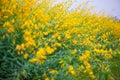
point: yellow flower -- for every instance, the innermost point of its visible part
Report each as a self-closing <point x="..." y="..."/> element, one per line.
<point x="20" y="47"/>
<point x="27" y="32"/>
<point x="26" y="55"/>
<point x="88" y="66"/>
<point x="27" y="44"/>
<point x="41" y="54"/>
<point x="11" y="29"/>
<point x="110" y="50"/>
<point x="99" y="45"/>
<point x="17" y="47"/>
<point x="108" y="56"/>
<point x="53" y="71"/>
<point x="59" y="37"/>
<point x="67" y="36"/>
<point x="18" y="53"/>
<point x="59" y="44"/>
<point x="7" y="24"/>
<point x="45" y="33"/>
<point x="34" y="60"/>
<point x="47" y="78"/>
<point x="49" y="50"/>
<point x="82" y="67"/>
<point x="116" y="31"/>
<point x="74" y="41"/>
<point x="74" y="51"/>
<point x="91" y="75"/>
<point x="12" y="20"/>
<point x="71" y="70"/>
<point x="78" y="35"/>
<point x="85" y="56"/>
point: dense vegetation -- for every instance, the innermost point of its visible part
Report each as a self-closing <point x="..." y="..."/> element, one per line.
<point x="46" y="41"/>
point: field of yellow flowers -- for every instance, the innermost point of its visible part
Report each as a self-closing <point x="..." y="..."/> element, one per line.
<point x="42" y="41"/>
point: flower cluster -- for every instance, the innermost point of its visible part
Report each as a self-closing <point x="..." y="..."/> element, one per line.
<point x="66" y="45"/>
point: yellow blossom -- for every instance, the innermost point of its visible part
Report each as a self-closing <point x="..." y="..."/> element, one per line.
<point x="34" y="60"/>
<point x="49" y="50"/>
<point x="59" y="44"/>
<point x="74" y="51"/>
<point x="20" y="47"/>
<point x="11" y="29"/>
<point x="67" y="36"/>
<point x="59" y="37"/>
<point x="53" y="71"/>
<point x="47" y="78"/>
<point x="71" y="70"/>
<point x="26" y="55"/>
<point x="46" y="33"/>
<point x="74" y="41"/>
<point x="41" y="54"/>
<point x="17" y="47"/>
<point x="85" y="56"/>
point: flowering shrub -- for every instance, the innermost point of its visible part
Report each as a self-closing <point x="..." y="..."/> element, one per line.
<point x="40" y="40"/>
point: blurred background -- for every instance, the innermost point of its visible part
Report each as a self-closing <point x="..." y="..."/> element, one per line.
<point x="110" y="7"/>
